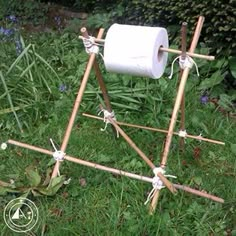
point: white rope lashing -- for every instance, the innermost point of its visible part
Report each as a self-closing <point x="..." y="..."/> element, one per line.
<point x="106" y="115"/>
<point x="188" y="62"/>
<point x="91" y="46"/>
<point x="182" y="133"/>
<point x="57" y="154"/>
<point x="157" y="183"/>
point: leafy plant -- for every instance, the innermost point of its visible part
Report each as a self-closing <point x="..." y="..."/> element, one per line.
<point x="25" y="77"/>
<point x="48" y="187"/>
<point x="27" y="11"/>
<point x="219" y="27"/>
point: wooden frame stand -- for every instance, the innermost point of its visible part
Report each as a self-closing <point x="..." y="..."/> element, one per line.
<point x="160" y="179"/>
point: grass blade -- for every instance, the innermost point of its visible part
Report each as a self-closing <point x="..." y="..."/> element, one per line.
<point x="10" y="102"/>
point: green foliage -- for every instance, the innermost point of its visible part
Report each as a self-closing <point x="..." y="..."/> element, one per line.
<point x="219" y="27"/>
<point x="95" y="5"/>
<point x="26" y="10"/>
<point x="34" y="80"/>
<point x="34" y="185"/>
<point x="25" y="77"/>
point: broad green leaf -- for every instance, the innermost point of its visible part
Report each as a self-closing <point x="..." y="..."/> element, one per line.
<point x="54" y="185"/>
<point x="48" y="177"/>
<point x="215" y="79"/>
<point x="232" y="66"/>
<point x="33" y="176"/>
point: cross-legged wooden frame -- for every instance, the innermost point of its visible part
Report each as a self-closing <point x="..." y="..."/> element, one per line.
<point x="179" y="104"/>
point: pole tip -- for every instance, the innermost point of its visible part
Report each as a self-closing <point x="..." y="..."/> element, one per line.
<point x="83" y="30"/>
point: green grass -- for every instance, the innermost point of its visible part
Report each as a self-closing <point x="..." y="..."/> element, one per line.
<point x="109" y="204"/>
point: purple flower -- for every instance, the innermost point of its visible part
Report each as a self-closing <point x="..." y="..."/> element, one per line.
<point x="204" y="99"/>
<point x="62" y="88"/>
<point x="6" y="32"/>
<point x="12" y="18"/>
<point x="57" y="19"/>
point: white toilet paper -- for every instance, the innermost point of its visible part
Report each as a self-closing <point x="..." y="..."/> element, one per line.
<point x="134" y="50"/>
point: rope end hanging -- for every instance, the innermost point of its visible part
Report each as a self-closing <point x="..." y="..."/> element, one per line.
<point x="106" y="115"/>
<point x="57" y="154"/>
<point x="157" y="183"/>
<point x="188" y="62"/>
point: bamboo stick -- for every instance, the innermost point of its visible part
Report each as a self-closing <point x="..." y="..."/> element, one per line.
<point x="82" y="162"/>
<point x="170" y="50"/>
<point x="113" y="170"/>
<point x="153" y="204"/>
<point x="77" y="103"/>
<point x="199" y="193"/>
<point x="179" y="97"/>
<point x="132" y="144"/>
<point x="100" y="79"/>
<point x="200" y="138"/>
<point x="196" y="55"/>
<point x="103" y="89"/>
<point x="180" y="94"/>
<point x="102" y="85"/>
<point x="182" y="106"/>
<point x="165" y="181"/>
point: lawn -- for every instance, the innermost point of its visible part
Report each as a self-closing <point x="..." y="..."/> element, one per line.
<point x="39" y="83"/>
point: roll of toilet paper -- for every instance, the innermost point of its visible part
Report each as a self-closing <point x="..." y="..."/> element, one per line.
<point x="134" y="50"/>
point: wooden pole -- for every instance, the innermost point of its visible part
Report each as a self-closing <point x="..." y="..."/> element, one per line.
<point x="82" y="162"/>
<point x="99" y="77"/>
<point x="165" y="181"/>
<point x="113" y="170"/>
<point x="132" y="144"/>
<point x="179" y="98"/>
<point x="182" y="106"/>
<point x="200" y="138"/>
<point x="180" y="94"/>
<point x="154" y="201"/>
<point x="207" y="57"/>
<point x="199" y="193"/>
<point x="102" y="86"/>
<point x="77" y="103"/>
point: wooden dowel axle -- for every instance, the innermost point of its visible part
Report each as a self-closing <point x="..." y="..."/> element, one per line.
<point x="170" y="50"/>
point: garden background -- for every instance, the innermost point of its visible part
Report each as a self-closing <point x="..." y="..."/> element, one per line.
<point x="42" y="62"/>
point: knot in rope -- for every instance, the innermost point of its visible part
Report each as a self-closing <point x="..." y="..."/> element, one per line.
<point x="157" y="183"/>
<point x="182" y="133"/>
<point x="188" y="62"/>
<point x="57" y="154"/>
<point x="106" y="115"/>
<point x="90" y="45"/>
